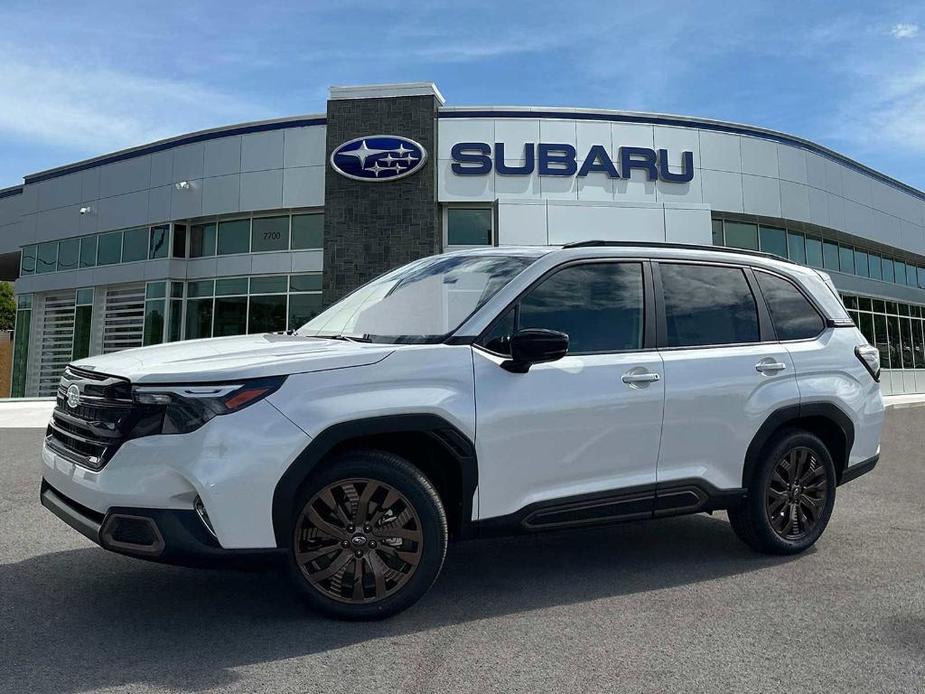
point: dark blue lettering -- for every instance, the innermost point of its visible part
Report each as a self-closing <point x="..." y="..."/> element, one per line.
<point x="560" y="156"/>
<point x="597" y="160"/>
<point x="523" y="169"/>
<point x="638" y="158"/>
<point x="687" y="167"/>
<point x="471" y="158"/>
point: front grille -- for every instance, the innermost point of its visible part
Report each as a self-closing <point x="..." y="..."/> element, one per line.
<point x="91" y="431"/>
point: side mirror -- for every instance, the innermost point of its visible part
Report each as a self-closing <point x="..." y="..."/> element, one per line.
<point x="535" y="346"/>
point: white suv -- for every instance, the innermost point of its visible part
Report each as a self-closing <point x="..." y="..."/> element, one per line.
<point x="475" y="393"/>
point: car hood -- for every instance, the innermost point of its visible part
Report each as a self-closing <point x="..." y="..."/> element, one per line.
<point x="235" y="358"/>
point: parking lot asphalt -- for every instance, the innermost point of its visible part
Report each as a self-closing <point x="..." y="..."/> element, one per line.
<point x="671" y="605"/>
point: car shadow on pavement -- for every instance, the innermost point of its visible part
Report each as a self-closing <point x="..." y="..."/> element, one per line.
<point x="83" y="619"/>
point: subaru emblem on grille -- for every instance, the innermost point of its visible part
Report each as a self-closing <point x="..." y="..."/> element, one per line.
<point x="73" y="396"/>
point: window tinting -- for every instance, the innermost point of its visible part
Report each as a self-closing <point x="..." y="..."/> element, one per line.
<point x="861" y="265"/>
<point x="160" y="240"/>
<point x="109" y="251"/>
<point x="201" y="240"/>
<point x="28" y="260"/>
<point x="234" y="237"/>
<point x="717" y="232"/>
<point x="793" y="316"/>
<point x="599" y="306"/>
<point x="830" y="255"/>
<point x="774" y="241"/>
<point x="307" y="230"/>
<point x="230" y="316"/>
<point x="302" y="308"/>
<point x="179" y="240"/>
<point x="468" y="227"/>
<point x="68" y="252"/>
<point x="796" y="248"/>
<point x="88" y="251"/>
<point x="813" y="252"/>
<point x="887" y="267"/>
<point x="47" y="257"/>
<point x="134" y="245"/>
<point x="270" y="234"/>
<point x="708" y="305"/>
<point x="267" y="314"/>
<point x="874" y="263"/>
<point x="740" y="235"/>
<point x="846" y="258"/>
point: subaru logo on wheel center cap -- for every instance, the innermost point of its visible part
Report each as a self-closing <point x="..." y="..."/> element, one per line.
<point x="378" y="158"/>
<point x="359" y="540"/>
<point x="73" y="396"/>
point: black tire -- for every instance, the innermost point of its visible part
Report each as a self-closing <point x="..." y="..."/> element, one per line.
<point x="807" y="506"/>
<point x="392" y="572"/>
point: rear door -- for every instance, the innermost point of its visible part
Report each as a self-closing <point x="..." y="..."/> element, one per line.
<point x="725" y="373"/>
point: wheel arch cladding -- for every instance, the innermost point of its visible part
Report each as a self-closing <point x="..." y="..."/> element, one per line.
<point x="825" y="420"/>
<point x="438" y="449"/>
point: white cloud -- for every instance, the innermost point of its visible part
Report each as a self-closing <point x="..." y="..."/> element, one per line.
<point x="94" y="109"/>
<point x="905" y="31"/>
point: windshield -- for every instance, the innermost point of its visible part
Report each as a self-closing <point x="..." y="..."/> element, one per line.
<point x="419" y="302"/>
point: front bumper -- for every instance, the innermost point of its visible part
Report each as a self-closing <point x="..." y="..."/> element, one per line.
<point x="168" y="536"/>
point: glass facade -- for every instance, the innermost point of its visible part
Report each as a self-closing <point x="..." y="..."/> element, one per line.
<point x="894" y="328"/>
<point x="817" y="252"/>
<point x="469" y="226"/>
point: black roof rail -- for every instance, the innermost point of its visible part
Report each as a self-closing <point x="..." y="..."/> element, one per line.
<point x="597" y="243"/>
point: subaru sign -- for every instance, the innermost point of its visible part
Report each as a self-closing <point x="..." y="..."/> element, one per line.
<point x="553" y="159"/>
<point x="378" y="158"/>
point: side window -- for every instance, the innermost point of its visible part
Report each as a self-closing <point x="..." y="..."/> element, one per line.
<point x="708" y="305"/>
<point x="793" y="316"/>
<point x="599" y="306"/>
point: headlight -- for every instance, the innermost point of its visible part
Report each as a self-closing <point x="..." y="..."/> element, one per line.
<point x="181" y="409"/>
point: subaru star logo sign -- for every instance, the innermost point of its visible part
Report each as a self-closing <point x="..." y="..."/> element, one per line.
<point x="378" y="158"/>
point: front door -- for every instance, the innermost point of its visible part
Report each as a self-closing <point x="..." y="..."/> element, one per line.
<point x="586" y="424"/>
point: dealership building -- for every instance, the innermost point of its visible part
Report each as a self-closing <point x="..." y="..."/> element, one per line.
<point x="255" y="227"/>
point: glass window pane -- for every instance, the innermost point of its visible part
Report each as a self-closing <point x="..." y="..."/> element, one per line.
<point x="174" y="320"/>
<point x="866" y="326"/>
<point x="846" y="259"/>
<point x="84" y="296"/>
<point x="307" y="230"/>
<point x="468" y="227"/>
<point x="882" y="342"/>
<point x="830" y="255"/>
<point x="921" y="273"/>
<point x="234" y="237"/>
<point x="708" y="305"/>
<point x="773" y="240"/>
<point x="904" y="309"/>
<point x="850" y="301"/>
<point x="233" y="285"/>
<point x="47" y="257"/>
<point x="24" y="301"/>
<point x="270" y="234"/>
<point x="198" y="318"/>
<point x="892" y="308"/>
<point x="82" y="317"/>
<point x="892" y="324"/>
<point x="860" y="264"/>
<point x="793" y="316"/>
<point x="874" y="263"/>
<point x="88" y="251"/>
<point x="27" y="262"/>
<point x="68" y="254"/>
<point x="302" y="308"/>
<point x="134" y="245"/>
<point x="813" y="252"/>
<point x="176" y="290"/>
<point x="21" y="351"/>
<point x="230" y="316"/>
<point x="918" y="347"/>
<point x="154" y="322"/>
<point x="200" y="288"/>
<point x="271" y="284"/>
<point x="202" y="240"/>
<point x="864" y="303"/>
<point x="879" y="306"/>
<point x="912" y="275"/>
<point x="905" y="325"/>
<point x="600" y="307"/>
<point x="156" y="290"/>
<point x="310" y="282"/>
<point x="109" y="251"/>
<point x="740" y="235"/>
<point x="796" y="248"/>
<point x="267" y="314"/>
<point x="179" y="240"/>
<point x="887" y="267"/>
<point x="717" y="232"/>
<point x="160" y="241"/>
<point x="899" y="268"/>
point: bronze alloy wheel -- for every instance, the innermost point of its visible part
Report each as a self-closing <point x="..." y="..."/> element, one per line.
<point x="358" y="540"/>
<point x="797" y="493"/>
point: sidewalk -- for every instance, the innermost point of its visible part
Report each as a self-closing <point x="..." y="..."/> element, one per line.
<point x="34" y="413"/>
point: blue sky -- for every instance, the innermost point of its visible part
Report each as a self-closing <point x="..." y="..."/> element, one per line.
<point x="82" y="79"/>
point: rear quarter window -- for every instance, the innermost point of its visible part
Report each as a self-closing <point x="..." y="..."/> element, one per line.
<point x="794" y="317"/>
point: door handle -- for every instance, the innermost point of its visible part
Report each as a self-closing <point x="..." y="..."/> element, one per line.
<point x="769" y="366"/>
<point x="647" y="377"/>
